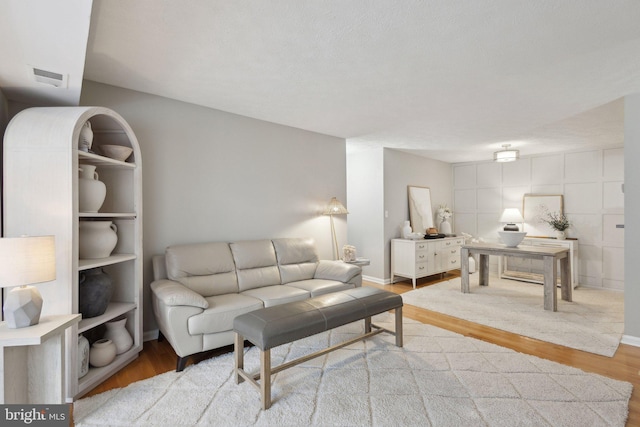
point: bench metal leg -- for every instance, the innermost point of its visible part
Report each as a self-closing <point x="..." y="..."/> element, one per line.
<point x="367" y="324"/>
<point x="399" y="326"/>
<point x="238" y="352"/>
<point x="265" y="376"/>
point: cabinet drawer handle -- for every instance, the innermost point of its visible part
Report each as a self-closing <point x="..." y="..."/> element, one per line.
<point x="447" y="243"/>
<point x="421" y="246"/>
<point x="453" y="251"/>
<point x="420" y="256"/>
<point x="421" y="268"/>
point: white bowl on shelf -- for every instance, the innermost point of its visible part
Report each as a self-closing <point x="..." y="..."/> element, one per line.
<point x="512" y="238"/>
<point x="117" y="152"/>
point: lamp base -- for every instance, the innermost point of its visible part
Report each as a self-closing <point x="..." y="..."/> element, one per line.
<point x="511" y="227"/>
<point x="22" y="307"/>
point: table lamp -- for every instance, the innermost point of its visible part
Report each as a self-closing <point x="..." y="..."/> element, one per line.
<point x="25" y="261"/>
<point x="335" y="208"/>
<point x="510" y="216"/>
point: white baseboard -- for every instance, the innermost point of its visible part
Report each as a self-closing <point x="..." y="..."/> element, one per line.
<point x="629" y="340"/>
<point x="150" y="335"/>
<point x="376" y="280"/>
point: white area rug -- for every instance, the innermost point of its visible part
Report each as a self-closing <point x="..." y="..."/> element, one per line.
<point x="593" y="322"/>
<point x="438" y="378"/>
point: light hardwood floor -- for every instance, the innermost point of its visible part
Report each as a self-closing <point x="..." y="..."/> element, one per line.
<point x="157" y="358"/>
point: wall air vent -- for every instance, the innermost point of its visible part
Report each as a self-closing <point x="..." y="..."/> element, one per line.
<point x="47" y="77"/>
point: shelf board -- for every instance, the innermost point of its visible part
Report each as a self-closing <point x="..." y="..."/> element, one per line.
<point x="85" y="264"/>
<point x="107" y="215"/>
<point x="98" y="160"/>
<point x="114" y="310"/>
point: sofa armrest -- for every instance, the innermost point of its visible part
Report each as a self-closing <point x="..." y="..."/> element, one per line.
<point x="337" y="270"/>
<point x="172" y="293"/>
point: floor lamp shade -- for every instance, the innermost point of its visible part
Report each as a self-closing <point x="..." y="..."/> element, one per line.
<point x="335" y="207"/>
<point x="25" y="261"/>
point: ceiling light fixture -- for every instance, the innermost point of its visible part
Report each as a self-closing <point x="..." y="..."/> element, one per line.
<point x="506" y="155"/>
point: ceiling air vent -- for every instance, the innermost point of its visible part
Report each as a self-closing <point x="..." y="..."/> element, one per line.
<point x="47" y="77"/>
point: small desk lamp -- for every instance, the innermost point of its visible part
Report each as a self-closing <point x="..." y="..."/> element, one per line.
<point x="510" y="216"/>
<point x="25" y="261"/>
<point x="335" y="208"/>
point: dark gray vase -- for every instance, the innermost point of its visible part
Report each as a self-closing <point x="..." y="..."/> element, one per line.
<point x="95" y="291"/>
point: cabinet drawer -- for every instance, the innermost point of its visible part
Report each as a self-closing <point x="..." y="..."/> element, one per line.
<point x="422" y="256"/>
<point x="422" y="246"/>
<point x="451" y="252"/>
<point x="452" y="263"/>
<point x="421" y="268"/>
<point x="451" y="243"/>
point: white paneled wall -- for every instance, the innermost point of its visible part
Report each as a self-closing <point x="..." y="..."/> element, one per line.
<point x="591" y="183"/>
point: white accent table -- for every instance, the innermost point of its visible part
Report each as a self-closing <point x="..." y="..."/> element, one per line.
<point x="32" y="361"/>
<point x="549" y="255"/>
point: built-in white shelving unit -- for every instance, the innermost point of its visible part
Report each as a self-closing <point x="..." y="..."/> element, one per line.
<point x="41" y="159"/>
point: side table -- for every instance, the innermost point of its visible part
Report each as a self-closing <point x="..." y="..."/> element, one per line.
<point x="32" y="361"/>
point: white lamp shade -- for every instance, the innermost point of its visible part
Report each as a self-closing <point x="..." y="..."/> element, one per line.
<point x="511" y="215"/>
<point x="27" y="260"/>
<point x="335" y="208"/>
<point x="24" y="261"/>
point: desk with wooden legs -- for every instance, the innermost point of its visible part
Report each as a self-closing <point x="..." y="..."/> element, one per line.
<point x="549" y="255"/>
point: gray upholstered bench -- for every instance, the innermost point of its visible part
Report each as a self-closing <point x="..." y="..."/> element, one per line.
<point x="270" y="327"/>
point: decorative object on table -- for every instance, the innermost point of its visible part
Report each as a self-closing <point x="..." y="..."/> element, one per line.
<point x="559" y="222"/>
<point x="510" y="217"/>
<point x="444" y="213"/>
<point x="91" y="191"/>
<point x="349" y="253"/>
<point x="406" y="230"/>
<point x="507" y="154"/>
<point x="420" y="211"/>
<point x="83" y="356"/>
<point x="535" y="209"/>
<point x="94" y="292"/>
<point x="432" y="231"/>
<point x="25" y="261"/>
<point x="511" y="239"/>
<point x="102" y="353"/>
<point x="86" y="137"/>
<point x="335" y="208"/>
<point x="97" y="239"/>
<point x="117" y="332"/>
<point x="116" y="152"/>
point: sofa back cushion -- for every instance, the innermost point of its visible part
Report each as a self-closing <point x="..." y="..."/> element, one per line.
<point x="256" y="264"/>
<point x="297" y="259"/>
<point x="206" y="268"/>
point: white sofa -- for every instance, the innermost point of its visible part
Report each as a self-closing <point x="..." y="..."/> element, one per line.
<point x="199" y="288"/>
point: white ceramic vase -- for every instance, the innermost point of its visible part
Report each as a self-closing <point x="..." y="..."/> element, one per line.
<point x="117" y="332"/>
<point x="406" y="230"/>
<point x="83" y="356"/>
<point x="561" y="235"/>
<point x="86" y="137"/>
<point x="97" y="239"/>
<point x="91" y="191"/>
<point x="102" y="353"/>
<point x="445" y="227"/>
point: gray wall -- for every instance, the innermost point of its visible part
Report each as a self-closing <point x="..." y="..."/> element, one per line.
<point x="215" y="176"/>
<point x="378" y="203"/>
<point x="632" y="215"/>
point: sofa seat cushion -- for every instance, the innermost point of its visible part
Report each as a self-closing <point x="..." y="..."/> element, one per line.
<point x="221" y="312"/>
<point x="321" y="286"/>
<point x="277" y="294"/>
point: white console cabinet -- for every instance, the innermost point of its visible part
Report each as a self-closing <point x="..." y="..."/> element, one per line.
<point x="529" y="270"/>
<point x="414" y="259"/>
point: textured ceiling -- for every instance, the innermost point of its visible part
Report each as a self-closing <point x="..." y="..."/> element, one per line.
<point x="449" y="80"/>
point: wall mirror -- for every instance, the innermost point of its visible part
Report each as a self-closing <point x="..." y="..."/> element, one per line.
<point x="420" y="212"/>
